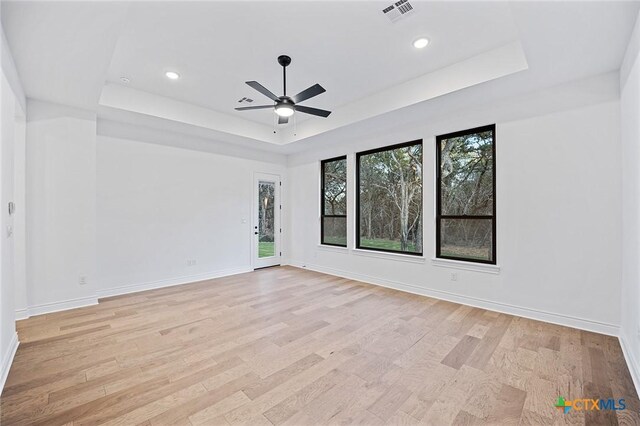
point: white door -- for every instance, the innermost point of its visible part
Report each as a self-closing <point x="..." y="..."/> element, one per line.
<point x="266" y="220"/>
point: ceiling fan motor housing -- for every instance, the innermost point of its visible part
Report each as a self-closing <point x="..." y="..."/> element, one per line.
<point x="284" y="60"/>
<point x="285" y="100"/>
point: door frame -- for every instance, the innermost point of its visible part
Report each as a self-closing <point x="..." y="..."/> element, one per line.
<point x="257" y="263"/>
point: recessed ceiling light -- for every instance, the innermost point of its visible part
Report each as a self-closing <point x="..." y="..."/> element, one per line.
<point x="421" y="43"/>
<point x="172" y="75"/>
<point x="125" y="80"/>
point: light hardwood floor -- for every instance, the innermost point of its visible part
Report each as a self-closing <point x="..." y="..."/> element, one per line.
<point x="290" y="346"/>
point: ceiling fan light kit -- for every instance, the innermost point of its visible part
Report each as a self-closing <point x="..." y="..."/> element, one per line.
<point x="285" y="105"/>
<point x="284" y="110"/>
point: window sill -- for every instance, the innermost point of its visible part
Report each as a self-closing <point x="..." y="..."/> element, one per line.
<point x="467" y="266"/>
<point x="336" y="249"/>
<point x="389" y="256"/>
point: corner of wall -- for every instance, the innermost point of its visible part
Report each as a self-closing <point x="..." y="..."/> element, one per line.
<point x="630" y="139"/>
<point x="632" y="363"/>
<point x="631" y="54"/>
<point x="7" y="360"/>
<point x="41" y="110"/>
<point x="10" y="71"/>
<point x="13" y="107"/>
<point x="61" y="172"/>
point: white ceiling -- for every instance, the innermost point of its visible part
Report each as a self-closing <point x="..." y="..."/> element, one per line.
<point x="75" y="53"/>
<point x="350" y="48"/>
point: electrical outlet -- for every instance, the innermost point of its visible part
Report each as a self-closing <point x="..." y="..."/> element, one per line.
<point x="454" y="276"/>
<point x="82" y="280"/>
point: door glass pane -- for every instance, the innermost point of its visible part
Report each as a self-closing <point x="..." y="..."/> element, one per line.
<point x="466" y="239"/>
<point x="266" y="223"/>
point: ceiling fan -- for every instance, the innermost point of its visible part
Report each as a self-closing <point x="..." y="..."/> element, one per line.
<point x="285" y="105"/>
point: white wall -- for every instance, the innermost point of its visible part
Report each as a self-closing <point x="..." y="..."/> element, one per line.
<point x="158" y="206"/>
<point x="630" y="119"/>
<point x="20" y="217"/>
<point x="558" y="209"/>
<point x="124" y="215"/>
<point x="12" y="236"/>
<point x="61" y="200"/>
<point x="7" y="310"/>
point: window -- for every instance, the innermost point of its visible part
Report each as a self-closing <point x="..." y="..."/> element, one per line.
<point x="389" y="199"/>
<point x="333" y="225"/>
<point x="466" y="203"/>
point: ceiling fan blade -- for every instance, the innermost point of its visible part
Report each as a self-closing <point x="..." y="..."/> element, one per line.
<point x="308" y="93"/>
<point x="260" y="88"/>
<point x="283" y="120"/>
<point x="253" y="107"/>
<point x="313" y="111"/>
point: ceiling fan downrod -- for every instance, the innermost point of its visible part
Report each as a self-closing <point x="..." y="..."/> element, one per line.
<point x="284" y="60"/>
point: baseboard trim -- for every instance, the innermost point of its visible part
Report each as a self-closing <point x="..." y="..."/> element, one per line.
<point x="22" y="314"/>
<point x="169" y="282"/>
<point x="534" y="314"/>
<point x="7" y="360"/>
<point x="632" y="362"/>
<point x="47" y="308"/>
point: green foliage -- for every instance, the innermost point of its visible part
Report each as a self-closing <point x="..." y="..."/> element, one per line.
<point x="386" y="245"/>
<point x="339" y="240"/>
<point x="266" y="249"/>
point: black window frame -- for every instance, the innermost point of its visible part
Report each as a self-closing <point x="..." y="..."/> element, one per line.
<point x="322" y="200"/>
<point x="440" y="216"/>
<point x="374" y="151"/>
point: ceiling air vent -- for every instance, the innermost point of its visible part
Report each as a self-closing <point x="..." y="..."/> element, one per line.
<point x="245" y="99"/>
<point x="398" y="10"/>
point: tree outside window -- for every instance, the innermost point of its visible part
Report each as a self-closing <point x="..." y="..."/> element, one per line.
<point x="334" y="202"/>
<point x="466" y="195"/>
<point x="389" y="203"/>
